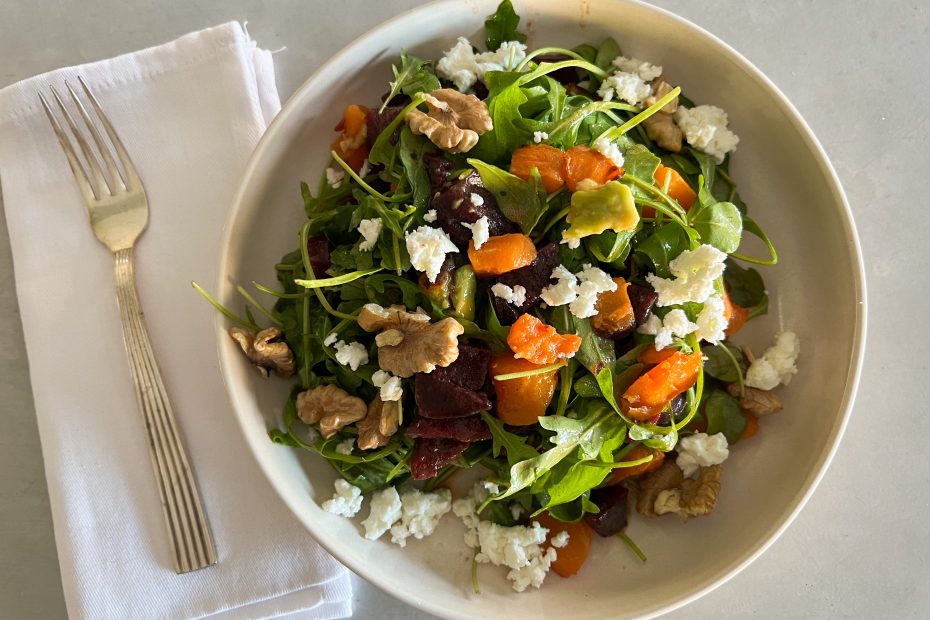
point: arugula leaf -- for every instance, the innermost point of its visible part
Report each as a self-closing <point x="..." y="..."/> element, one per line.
<point x="596" y="353"/>
<point x="650" y="439"/>
<point x="724" y="416"/>
<point x="640" y="162"/>
<point x="720" y="366"/>
<point x="502" y="26"/>
<point x="521" y="201"/>
<point x="413" y="76"/>
<point x="569" y="484"/>
<point x="346" y="258"/>
<point x="515" y="446"/>
<point x="411" y="149"/>
<point x="746" y="288"/>
<point x="505" y="98"/>
<point x="606" y="53"/>
<point x="719" y="225"/>
<point x="663" y="246"/>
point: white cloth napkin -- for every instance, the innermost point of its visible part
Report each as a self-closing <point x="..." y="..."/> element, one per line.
<point x="189" y="112"/>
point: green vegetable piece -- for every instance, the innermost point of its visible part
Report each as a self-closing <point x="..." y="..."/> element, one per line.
<point x="720" y="225"/>
<point x="464" y="291"/>
<point x="502" y="26"/>
<point x="719" y="365"/>
<point x="521" y="201"/>
<point x="724" y="416"/>
<point x="413" y="76"/>
<point x="440" y="291"/>
<point x="610" y="207"/>
<point x="746" y="288"/>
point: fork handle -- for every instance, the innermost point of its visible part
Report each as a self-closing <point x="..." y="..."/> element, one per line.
<point x="188" y="531"/>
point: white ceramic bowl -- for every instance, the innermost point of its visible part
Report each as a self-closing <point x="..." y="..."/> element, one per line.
<point x="817" y="290"/>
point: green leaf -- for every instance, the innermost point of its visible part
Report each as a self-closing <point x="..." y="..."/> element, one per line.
<point x="663" y="246"/>
<point x="720" y="366"/>
<point x="411" y="149"/>
<point x="521" y="201"/>
<point x="606" y="53"/>
<point x="503" y="440"/>
<point x="505" y="99"/>
<point x="413" y="76"/>
<point x="577" y="478"/>
<point x="724" y="416"/>
<point x="336" y="281"/>
<point x="719" y="225"/>
<point x="502" y="26"/>
<point x="746" y="288"/>
<point x="640" y="162"/>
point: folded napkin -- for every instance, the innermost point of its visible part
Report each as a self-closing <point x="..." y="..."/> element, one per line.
<point x="189" y="112"/>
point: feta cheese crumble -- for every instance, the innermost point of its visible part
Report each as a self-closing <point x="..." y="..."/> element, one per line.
<point x="346" y="502"/>
<point x="330" y="340"/>
<point x="370" y="231"/>
<point x="701" y="450"/>
<point x="624" y="86"/>
<point x="480" y="230"/>
<point x="420" y="514"/>
<point x="430" y="216"/>
<point x="675" y="323"/>
<point x="540" y="136"/>
<point x="428" y="247"/>
<point x="390" y="385"/>
<point x="515" y="295"/>
<point x="712" y="320"/>
<point x="385" y="511"/>
<point x="694" y="273"/>
<point x="593" y="281"/>
<point x="345" y="447"/>
<point x="645" y="70"/>
<point x="610" y="150"/>
<point x="705" y="128"/>
<point x="461" y="66"/>
<point x="777" y="364"/>
<point x="560" y="540"/>
<point x="352" y="355"/>
<point x="476" y="199"/>
<point x="564" y="291"/>
<point x="573" y="243"/>
<point x="334" y="177"/>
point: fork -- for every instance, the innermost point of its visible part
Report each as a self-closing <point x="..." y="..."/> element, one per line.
<point x="118" y="210"/>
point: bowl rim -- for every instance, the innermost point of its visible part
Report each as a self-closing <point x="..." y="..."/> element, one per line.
<point x="853" y="246"/>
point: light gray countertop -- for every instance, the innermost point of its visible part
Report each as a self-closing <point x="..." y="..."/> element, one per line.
<point x="858" y="71"/>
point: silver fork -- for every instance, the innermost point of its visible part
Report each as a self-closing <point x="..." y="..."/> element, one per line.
<point x="118" y="210"/>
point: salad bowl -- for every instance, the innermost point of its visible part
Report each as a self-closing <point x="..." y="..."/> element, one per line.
<point x="793" y="192"/>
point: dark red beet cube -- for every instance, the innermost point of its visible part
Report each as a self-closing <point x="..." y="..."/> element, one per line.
<point x="534" y="278"/>
<point x="318" y="249"/>
<point x="431" y="455"/>
<point x="469" y="429"/>
<point x="378" y="122"/>
<point x="455" y="206"/>
<point x="439" y="169"/>
<point x="612" y="518"/>
<point x="470" y="369"/>
<point x="642" y="299"/>
<point x="440" y="399"/>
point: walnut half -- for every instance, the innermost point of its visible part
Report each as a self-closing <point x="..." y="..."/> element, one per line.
<point x="695" y="498"/>
<point x="266" y="350"/>
<point x="381" y="422"/>
<point x="454" y="120"/>
<point x="668" y="476"/>
<point x="661" y="127"/>
<point x="408" y="342"/>
<point x="331" y="406"/>
<point x="755" y="401"/>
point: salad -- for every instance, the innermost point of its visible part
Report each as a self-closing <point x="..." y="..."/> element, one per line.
<point x="525" y="263"/>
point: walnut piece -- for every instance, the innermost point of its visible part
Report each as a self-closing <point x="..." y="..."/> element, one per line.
<point x="454" y="120"/>
<point x="668" y="476"/>
<point x="755" y="401"/>
<point x="331" y="406"/>
<point x="695" y="498"/>
<point x="409" y="343"/>
<point x="661" y="127"/>
<point x="266" y="350"/>
<point x="381" y="422"/>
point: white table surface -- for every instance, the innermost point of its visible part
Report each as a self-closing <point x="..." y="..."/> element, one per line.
<point x="859" y="72"/>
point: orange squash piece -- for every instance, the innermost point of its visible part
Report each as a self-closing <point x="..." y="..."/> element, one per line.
<point x="583" y="162"/>
<point x="521" y="401"/>
<point x="645" y="399"/>
<point x="624" y="473"/>
<point x="501" y="254"/>
<point x="650" y="356"/>
<point x="350" y="146"/>
<point x="535" y="341"/>
<point x="614" y="311"/>
<point x="547" y="160"/>
<point x="678" y="188"/>
<point x="736" y="315"/>
<point x="571" y="557"/>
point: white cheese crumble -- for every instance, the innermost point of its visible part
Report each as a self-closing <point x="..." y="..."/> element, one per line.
<point x="701" y="450"/>
<point x="334" y="176"/>
<point x="540" y="136"/>
<point x="389" y="384"/>
<point x="352" y="355"/>
<point x="712" y="320"/>
<point x="564" y="291"/>
<point x="777" y="364"/>
<point x="461" y="66"/>
<point x="480" y="230"/>
<point x="593" y="281"/>
<point x="330" y="340"/>
<point x="624" y="86"/>
<point x="345" y="447"/>
<point x="610" y="150"/>
<point x="430" y="216"/>
<point x="428" y="247"/>
<point x="385" y="511"/>
<point x="420" y="514"/>
<point x="694" y="271"/>
<point x="347" y="500"/>
<point x="573" y="243"/>
<point x="476" y="199"/>
<point x="560" y="540"/>
<point x="705" y="128"/>
<point x="647" y="71"/>
<point x="515" y="295"/>
<point x="370" y="230"/>
<point x="675" y="323"/>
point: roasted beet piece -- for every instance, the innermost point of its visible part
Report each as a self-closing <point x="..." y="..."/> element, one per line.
<point x="534" y="278"/>
<point x="568" y="75"/>
<point x="678" y="408"/>
<point x="439" y="169"/>
<point x="470" y="369"/>
<point x="431" y="455"/>
<point x="454" y="206"/>
<point x="642" y="299"/>
<point x="441" y="399"/>
<point x="378" y="122"/>
<point x="469" y="429"/>
<point x="318" y="249"/>
<point x="613" y="515"/>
